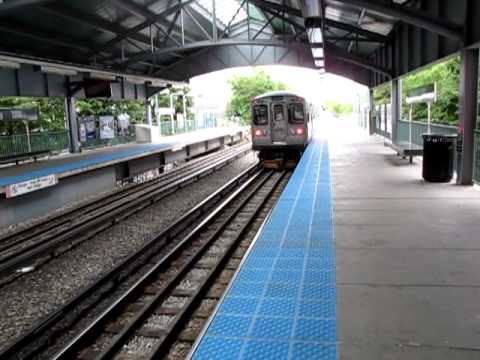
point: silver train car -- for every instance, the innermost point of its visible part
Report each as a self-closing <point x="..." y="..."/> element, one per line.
<point x="281" y="124"/>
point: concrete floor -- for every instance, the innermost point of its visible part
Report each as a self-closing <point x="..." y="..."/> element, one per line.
<point x="408" y="257"/>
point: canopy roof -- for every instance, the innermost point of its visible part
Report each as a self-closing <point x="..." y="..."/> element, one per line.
<point x="149" y="37"/>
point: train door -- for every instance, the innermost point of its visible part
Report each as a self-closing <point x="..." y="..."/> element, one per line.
<point x="278" y="122"/>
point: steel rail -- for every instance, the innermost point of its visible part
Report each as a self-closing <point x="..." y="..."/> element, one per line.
<point x="11" y="239"/>
<point x="113" y="278"/>
<point x="97" y="325"/>
<point x="97" y="221"/>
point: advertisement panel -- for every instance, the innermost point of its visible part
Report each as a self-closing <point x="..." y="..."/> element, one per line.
<point x="123" y="123"/>
<point x="107" y="127"/>
<point x="90" y="132"/>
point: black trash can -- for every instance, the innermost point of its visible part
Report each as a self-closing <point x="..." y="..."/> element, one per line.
<point x="438" y="157"/>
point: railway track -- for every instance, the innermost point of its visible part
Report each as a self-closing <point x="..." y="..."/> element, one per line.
<point x="29" y="247"/>
<point x="51" y="333"/>
<point x="157" y="306"/>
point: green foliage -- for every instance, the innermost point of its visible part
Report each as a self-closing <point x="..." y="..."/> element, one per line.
<point x="97" y="107"/>
<point x="51" y="114"/>
<point x="245" y="88"/>
<point x="164" y="100"/>
<point x="447" y="76"/>
<point x="382" y="94"/>
<point x="338" y="109"/>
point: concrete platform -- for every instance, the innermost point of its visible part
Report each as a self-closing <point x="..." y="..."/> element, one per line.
<point x="91" y="172"/>
<point x="408" y="257"/>
<point x="407" y="262"/>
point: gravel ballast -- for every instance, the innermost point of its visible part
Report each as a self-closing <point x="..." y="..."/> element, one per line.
<point x="35" y="295"/>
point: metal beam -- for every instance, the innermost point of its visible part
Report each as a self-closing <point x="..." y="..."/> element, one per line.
<point x="141" y="13"/>
<point x="8" y="6"/>
<point x="93" y="21"/>
<point x="332" y="51"/>
<point x="49" y="38"/>
<point x="410" y="16"/>
<point x="150" y="21"/>
<point x="350" y="38"/>
<point x="357" y="30"/>
<point x="208" y="43"/>
<point x="270" y="7"/>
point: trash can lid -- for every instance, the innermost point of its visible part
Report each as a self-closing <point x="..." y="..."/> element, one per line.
<point x="450" y="136"/>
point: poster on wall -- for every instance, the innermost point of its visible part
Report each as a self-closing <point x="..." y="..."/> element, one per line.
<point x="123" y="123"/>
<point x="107" y="127"/>
<point x="90" y="132"/>
<point x="83" y="132"/>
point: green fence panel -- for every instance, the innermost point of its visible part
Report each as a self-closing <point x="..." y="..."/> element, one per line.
<point x="419" y="128"/>
<point x="477" y="157"/>
<point x="53" y="141"/>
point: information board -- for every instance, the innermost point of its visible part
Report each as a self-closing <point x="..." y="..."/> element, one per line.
<point x="28" y="186"/>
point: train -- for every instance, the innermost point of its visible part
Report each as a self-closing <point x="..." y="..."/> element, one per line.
<point x="282" y="126"/>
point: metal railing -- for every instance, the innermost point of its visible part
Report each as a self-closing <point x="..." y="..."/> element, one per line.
<point x="419" y="128"/>
<point x="53" y="141"/>
<point x="168" y="128"/>
<point x="128" y="137"/>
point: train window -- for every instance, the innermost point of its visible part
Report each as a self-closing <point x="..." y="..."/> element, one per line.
<point x="278" y="112"/>
<point x="296" y="114"/>
<point x="260" y="114"/>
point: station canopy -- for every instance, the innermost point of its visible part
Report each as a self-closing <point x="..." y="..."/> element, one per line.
<point x="151" y="37"/>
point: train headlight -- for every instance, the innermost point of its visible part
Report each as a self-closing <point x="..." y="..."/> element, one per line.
<point x="299" y="131"/>
<point x="257" y="132"/>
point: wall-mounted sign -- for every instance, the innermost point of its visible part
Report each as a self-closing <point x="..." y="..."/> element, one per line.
<point x="107" y="127"/>
<point x="422" y="94"/>
<point x="18" y="114"/>
<point x="164" y="111"/>
<point x="28" y="186"/>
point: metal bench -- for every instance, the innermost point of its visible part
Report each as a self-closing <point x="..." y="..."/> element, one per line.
<point x="5" y="159"/>
<point x="406" y="149"/>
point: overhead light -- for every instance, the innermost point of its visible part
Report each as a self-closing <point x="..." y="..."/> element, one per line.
<point x="157" y="83"/>
<point x="136" y="81"/>
<point x="57" y="70"/>
<point x="103" y="75"/>
<point x="318" y="53"/>
<point x="9" y="64"/>
<point x="315" y="35"/>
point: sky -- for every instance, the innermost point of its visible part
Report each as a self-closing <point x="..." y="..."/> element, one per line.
<point x="213" y="90"/>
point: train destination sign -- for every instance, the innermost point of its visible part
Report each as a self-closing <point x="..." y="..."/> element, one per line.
<point x="28" y="186"/>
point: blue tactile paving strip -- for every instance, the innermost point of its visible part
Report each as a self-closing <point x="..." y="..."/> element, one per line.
<point x="281" y="305"/>
<point x="84" y="163"/>
<point x="78" y="164"/>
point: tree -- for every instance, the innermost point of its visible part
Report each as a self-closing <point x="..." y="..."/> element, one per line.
<point x="338" y="109"/>
<point x="51" y="113"/>
<point x="245" y="88"/>
<point x="447" y="77"/>
<point x="164" y="100"/>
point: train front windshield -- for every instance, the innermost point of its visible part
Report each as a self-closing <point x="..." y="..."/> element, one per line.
<point x="296" y="114"/>
<point x="260" y="114"/>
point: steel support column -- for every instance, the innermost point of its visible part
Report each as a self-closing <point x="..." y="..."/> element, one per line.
<point x="371" y="126"/>
<point x="468" y="114"/>
<point x="148" y="111"/>
<point x="70" y="111"/>
<point x="396" y="106"/>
